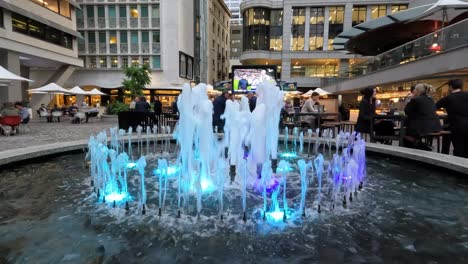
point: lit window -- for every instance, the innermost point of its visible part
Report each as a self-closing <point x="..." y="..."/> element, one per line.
<point x="92" y="62"/>
<point x="134" y="12"/>
<point x="103" y="62"/>
<point x="135" y="61"/>
<point x="359" y="15"/>
<point x="398" y="8"/>
<point x="124" y="62"/>
<point x="316" y="28"/>
<point x="114" y="62"/>
<point x="378" y="11"/>
<point x="146" y="61"/>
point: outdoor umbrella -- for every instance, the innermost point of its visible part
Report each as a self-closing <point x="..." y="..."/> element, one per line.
<point x="6" y="75"/>
<point x="51" y="88"/>
<point x="321" y="92"/>
<point x="77" y="90"/>
<point x="95" y="92"/>
<point x="443" y="10"/>
<point x="309" y="93"/>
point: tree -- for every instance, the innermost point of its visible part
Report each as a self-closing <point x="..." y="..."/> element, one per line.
<point x="136" y="78"/>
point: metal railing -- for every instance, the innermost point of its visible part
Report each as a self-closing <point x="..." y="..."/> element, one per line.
<point x="112" y="23"/>
<point x="124" y="48"/>
<point x="101" y="22"/>
<point x="443" y="40"/>
<point x="133" y="22"/>
<point x="144" y="22"/>
<point x="113" y="48"/>
<point x="91" y="48"/>
<point x="102" y="48"/>
<point x="134" y="49"/>
<point x="155" y="22"/>
<point x="80" y="23"/>
<point x="91" y="22"/>
<point x="156" y="48"/>
<point x="145" y="48"/>
<point x="123" y="22"/>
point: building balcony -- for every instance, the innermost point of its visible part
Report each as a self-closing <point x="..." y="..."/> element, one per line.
<point x="91" y="48"/>
<point x="102" y="48"/>
<point x="112" y="23"/>
<point x="101" y="22"/>
<point x="113" y="48"/>
<point x="134" y="49"/>
<point x="145" y="48"/>
<point x="123" y="48"/>
<point x="123" y="22"/>
<point x="155" y="22"/>
<point x="144" y="22"/>
<point x="156" y="48"/>
<point x="91" y="23"/>
<point x="134" y="22"/>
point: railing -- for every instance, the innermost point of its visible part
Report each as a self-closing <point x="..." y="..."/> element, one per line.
<point x="91" y="23"/>
<point x="123" y="22"/>
<point x="133" y="22"/>
<point x="145" y="48"/>
<point x="134" y="49"/>
<point x="113" y="48"/>
<point x="112" y="23"/>
<point x="91" y="48"/>
<point x="155" y="22"/>
<point x="102" y="48"/>
<point x="124" y="48"/>
<point x="80" y="23"/>
<point x="443" y="40"/>
<point x="144" y="22"/>
<point x="101" y="22"/>
<point x="81" y="48"/>
<point x="156" y="48"/>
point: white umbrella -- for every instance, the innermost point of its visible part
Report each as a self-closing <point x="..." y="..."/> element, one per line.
<point x="77" y="90"/>
<point x="443" y="10"/>
<point x="51" y="88"/>
<point x="321" y="92"/>
<point x="95" y="92"/>
<point x="9" y="76"/>
<point x="308" y="93"/>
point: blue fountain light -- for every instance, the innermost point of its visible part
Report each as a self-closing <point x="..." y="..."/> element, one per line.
<point x="131" y="165"/>
<point x="207" y="186"/>
<point x="288" y="169"/>
<point x="116" y="197"/>
<point x="276" y="216"/>
<point x="171" y="170"/>
<point x="288" y="155"/>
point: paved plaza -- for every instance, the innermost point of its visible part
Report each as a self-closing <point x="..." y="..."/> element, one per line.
<point x="42" y="133"/>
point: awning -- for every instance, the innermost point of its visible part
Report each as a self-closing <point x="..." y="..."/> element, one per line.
<point x="442" y="10"/>
<point x="44" y="21"/>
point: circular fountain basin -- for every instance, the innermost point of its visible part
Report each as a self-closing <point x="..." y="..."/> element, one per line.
<point x="405" y="213"/>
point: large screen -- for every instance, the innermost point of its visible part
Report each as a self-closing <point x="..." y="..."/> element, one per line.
<point x="246" y="78"/>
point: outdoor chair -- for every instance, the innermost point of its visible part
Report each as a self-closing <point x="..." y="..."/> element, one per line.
<point x="10" y="124"/>
<point x="44" y="114"/>
<point x="56" y="115"/>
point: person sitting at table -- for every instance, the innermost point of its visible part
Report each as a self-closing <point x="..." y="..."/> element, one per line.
<point x="456" y="105"/>
<point x="421" y="117"/>
<point x="311" y="106"/>
<point x="93" y="112"/>
<point x="56" y="109"/>
<point x="366" y="110"/>
<point x="9" y="110"/>
<point x="44" y="109"/>
<point x="73" y="109"/>
<point x="23" y="112"/>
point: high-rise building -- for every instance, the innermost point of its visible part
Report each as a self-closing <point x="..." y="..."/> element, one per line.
<point x="118" y="34"/>
<point x="298" y="35"/>
<point x="37" y="35"/>
<point x="234" y="7"/>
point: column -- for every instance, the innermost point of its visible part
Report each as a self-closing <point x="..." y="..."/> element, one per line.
<point x="307" y="29"/>
<point x="389" y="10"/>
<point x="13" y="92"/>
<point x="326" y="27"/>
<point x="285" y="69"/>
<point x="348" y="16"/>
<point x="369" y="12"/>
<point x="287" y="21"/>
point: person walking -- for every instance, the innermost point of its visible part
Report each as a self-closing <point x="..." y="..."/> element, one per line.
<point x="456" y="105"/>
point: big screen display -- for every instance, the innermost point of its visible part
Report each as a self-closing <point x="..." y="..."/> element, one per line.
<point x="247" y="78"/>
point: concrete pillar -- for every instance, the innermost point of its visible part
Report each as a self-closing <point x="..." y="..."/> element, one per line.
<point x="307" y="29"/>
<point x="287" y="23"/>
<point x="368" y="12"/>
<point x="13" y="92"/>
<point x="348" y="16"/>
<point x="285" y="69"/>
<point x="326" y="27"/>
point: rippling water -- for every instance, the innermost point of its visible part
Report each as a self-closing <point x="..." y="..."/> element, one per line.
<point x="407" y="213"/>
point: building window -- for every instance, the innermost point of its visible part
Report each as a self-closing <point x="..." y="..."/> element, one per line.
<point x="112" y="37"/>
<point x="378" y="11"/>
<point x="314" y="70"/>
<point x="114" y="62"/>
<point x="156" y="62"/>
<point x="276" y="30"/>
<point x="398" y="8"/>
<point x="336" y="20"/>
<point x="92" y="62"/>
<point x="359" y="15"/>
<point x="235" y="41"/>
<point x="91" y="37"/>
<point x="146" y="61"/>
<point x="145" y="37"/>
<point x="61" y="7"/>
<point x="316" y="28"/>
<point x="134" y="12"/>
<point x="256" y="29"/>
<point x="24" y="25"/>
<point x="144" y="11"/>
<point x="103" y="62"/>
<point x="185" y="65"/>
<point x="123" y="37"/>
<point x="135" y="61"/>
<point x="298" y="29"/>
<point x="122" y="11"/>
<point x="90" y="11"/>
<point x="124" y="62"/>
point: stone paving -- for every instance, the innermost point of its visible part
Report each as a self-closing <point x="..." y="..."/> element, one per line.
<point x="42" y="133"/>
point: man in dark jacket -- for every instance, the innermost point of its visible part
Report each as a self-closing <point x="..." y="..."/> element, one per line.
<point x="456" y="105"/>
<point x="157" y="106"/>
<point x="219" y="105"/>
<point x="252" y="101"/>
<point x="141" y="105"/>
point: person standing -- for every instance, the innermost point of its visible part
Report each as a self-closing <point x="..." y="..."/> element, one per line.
<point x="157" y="106"/>
<point x="456" y="105"/>
<point x="366" y="110"/>
<point x="219" y="105"/>
<point x="252" y="101"/>
<point x="23" y="112"/>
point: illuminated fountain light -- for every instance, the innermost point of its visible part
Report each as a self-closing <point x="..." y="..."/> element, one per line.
<point x="288" y="169"/>
<point x="289" y="155"/>
<point x="131" y="165"/>
<point x="276" y="216"/>
<point x="117" y="197"/>
<point x="171" y="170"/>
<point x="207" y="186"/>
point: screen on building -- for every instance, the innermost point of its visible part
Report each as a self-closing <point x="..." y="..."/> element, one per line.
<point x="247" y="78"/>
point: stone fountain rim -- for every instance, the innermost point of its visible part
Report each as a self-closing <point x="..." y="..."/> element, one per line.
<point x="448" y="162"/>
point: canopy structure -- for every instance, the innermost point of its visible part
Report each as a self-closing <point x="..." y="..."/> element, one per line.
<point x="77" y="90"/>
<point x="321" y="92"/>
<point x="94" y="92"/>
<point x="51" y="88"/>
<point x="404" y="26"/>
<point x="6" y="75"/>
